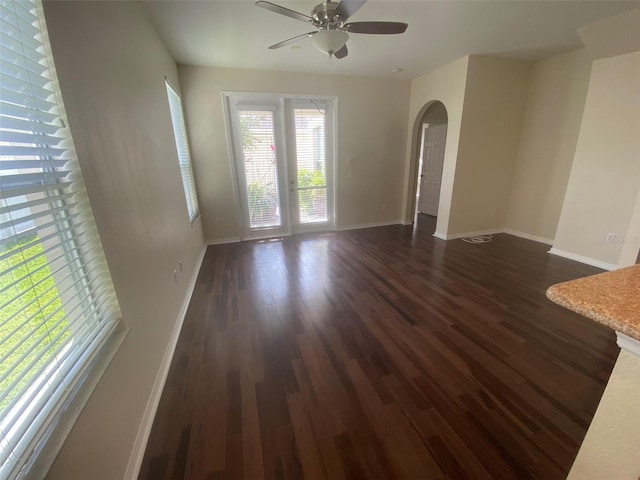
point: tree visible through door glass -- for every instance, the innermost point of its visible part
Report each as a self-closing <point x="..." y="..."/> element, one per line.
<point x="260" y="167"/>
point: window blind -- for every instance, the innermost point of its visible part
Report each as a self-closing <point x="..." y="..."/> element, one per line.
<point x="57" y="302"/>
<point x="311" y="163"/>
<point x="258" y="142"/>
<point x="184" y="157"/>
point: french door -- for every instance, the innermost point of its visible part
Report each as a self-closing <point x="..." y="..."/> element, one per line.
<point x="282" y="152"/>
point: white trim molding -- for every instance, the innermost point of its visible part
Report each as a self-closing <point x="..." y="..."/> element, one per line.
<point x="528" y="236"/>
<point x="579" y="258"/>
<point x="46" y="451"/>
<point x="453" y="236"/>
<point x="222" y="241"/>
<point x="494" y="231"/>
<point x="627" y="343"/>
<point x="144" y="430"/>
<point x="508" y="231"/>
<point x="370" y="225"/>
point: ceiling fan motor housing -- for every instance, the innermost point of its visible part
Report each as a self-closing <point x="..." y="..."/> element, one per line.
<point x="324" y="16"/>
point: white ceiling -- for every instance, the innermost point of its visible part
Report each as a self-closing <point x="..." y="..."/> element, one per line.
<point x="236" y="33"/>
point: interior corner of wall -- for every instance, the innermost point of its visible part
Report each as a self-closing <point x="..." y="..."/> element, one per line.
<point x="612" y="36"/>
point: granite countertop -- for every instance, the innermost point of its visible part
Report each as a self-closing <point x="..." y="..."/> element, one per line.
<point x="610" y="298"/>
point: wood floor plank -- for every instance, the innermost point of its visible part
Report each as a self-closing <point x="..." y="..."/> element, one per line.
<point x="330" y="457"/>
<point x="380" y="353"/>
<point x="251" y="441"/>
<point x="305" y="438"/>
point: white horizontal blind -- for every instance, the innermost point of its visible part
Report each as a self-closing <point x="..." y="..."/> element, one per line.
<point x="57" y="303"/>
<point x="311" y="163"/>
<point x="258" y="144"/>
<point x="184" y="157"/>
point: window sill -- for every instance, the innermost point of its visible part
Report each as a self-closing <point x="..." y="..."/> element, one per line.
<point x="46" y="450"/>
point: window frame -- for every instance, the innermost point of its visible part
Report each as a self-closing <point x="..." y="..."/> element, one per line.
<point x="32" y="452"/>
<point x="181" y="137"/>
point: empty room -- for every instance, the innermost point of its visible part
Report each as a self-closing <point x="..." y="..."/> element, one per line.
<point x="378" y="239"/>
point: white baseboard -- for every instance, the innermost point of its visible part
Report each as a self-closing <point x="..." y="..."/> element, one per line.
<point x="140" y="444"/>
<point x="494" y="231"/>
<point x="370" y="225"/>
<point x="528" y="236"/>
<point x="453" y="236"/>
<point x="586" y="260"/>
<point x="627" y="343"/>
<point x="439" y="235"/>
<point x="222" y="241"/>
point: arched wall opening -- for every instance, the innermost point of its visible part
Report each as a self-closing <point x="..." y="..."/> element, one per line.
<point x="428" y="143"/>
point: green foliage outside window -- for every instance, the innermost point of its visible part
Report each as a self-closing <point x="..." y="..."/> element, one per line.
<point x="262" y="202"/>
<point x="19" y="319"/>
<point x="313" y="199"/>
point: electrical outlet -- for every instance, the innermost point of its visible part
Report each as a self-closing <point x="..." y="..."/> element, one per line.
<point x="611" y="238"/>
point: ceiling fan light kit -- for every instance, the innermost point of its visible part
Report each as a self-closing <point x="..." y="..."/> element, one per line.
<point x="330" y="41"/>
<point x="332" y="32"/>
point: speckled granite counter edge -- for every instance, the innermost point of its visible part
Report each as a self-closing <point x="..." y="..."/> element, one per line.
<point x="585" y="311"/>
<point x="624" y="318"/>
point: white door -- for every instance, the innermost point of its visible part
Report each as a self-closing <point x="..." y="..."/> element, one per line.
<point x="433" y="141"/>
<point x="310" y="143"/>
<point x="282" y="153"/>
<point x="259" y="159"/>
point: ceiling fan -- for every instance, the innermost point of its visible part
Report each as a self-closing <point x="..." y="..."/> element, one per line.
<point x="332" y="30"/>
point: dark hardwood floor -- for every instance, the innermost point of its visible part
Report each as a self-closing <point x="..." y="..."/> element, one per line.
<point x="377" y="354"/>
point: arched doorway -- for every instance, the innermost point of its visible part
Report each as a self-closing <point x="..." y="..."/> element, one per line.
<point x="431" y="135"/>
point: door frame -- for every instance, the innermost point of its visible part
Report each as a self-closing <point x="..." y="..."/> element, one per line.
<point x="310" y="102"/>
<point x="331" y="132"/>
<point x="423" y="134"/>
<point x="237" y="104"/>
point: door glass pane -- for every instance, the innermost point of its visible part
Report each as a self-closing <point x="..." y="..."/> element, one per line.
<point x="311" y="164"/>
<point x="260" y="167"/>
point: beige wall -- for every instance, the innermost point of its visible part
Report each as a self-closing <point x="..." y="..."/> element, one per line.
<point x="485" y="99"/>
<point x="552" y="120"/>
<point x="611" y="448"/>
<point x="605" y="177"/>
<point x="631" y="243"/>
<point x="111" y="67"/>
<point x="371" y="129"/>
<point x="493" y="111"/>
<point x="446" y="85"/>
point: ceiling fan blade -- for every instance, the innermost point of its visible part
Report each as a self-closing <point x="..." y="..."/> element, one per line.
<point x="343" y="52"/>
<point x="291" y="40"/>
<point x="272" y="7"/>
<point x="348" y="8"/>
<point x="380" y="28"/>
